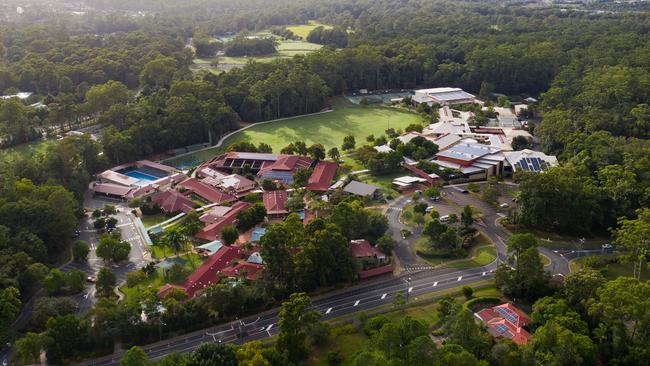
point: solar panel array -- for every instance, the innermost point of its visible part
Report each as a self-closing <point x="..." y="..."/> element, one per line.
<point x="508" y="314"/>
<point x="532" y="164"/>
<point x="284" y="177"/>
<point x="501" y="328"/>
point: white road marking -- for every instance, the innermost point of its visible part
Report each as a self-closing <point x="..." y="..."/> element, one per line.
<point x="328" y="311"/>
<point x="435" y="284"/>
<point x="356" y="303"/>
<point x="383" y="296"/>
<point x="269" y="327"/>
<point x="483" y="274"/>
<point x="410" y="289"/>
<point x="460" y="278"/>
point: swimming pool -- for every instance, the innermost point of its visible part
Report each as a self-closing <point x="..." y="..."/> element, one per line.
<point x="143" y="179"/>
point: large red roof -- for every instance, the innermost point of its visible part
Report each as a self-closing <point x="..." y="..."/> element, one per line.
<point x="172" y="201"/>
<point x="206" y="192"/>
<point x="251" y="270"/>
<point x="322" y="176"/>
<point x="376" y="271"/>
<point x="361" y="248"/>
<point x="274" y="202"/>
<point x="213" y="231"/>
<point x="208" y="273"/>
<point x="286" y="163"/>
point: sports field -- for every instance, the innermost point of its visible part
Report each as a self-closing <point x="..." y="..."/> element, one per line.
<point x="302" y="30"/>
<point x="328" y="129"/>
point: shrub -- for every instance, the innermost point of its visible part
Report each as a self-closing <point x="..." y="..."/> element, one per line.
<point x="468" y="292"/>
<point x="473" y="187"/>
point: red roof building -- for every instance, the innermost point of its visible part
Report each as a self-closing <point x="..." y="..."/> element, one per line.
<point x="322" y="176"/>
<point x="274" y="202"/>
<point x="505" y="321"/>
<point x="206" y="192"/>
<point x="361" y="248"/>
<point x="213" y="231"/>
<point x="376" y="271"/>
<point x="171" y="202"/>
<point x="208" y="273"/>
<point x="241" y="268"/>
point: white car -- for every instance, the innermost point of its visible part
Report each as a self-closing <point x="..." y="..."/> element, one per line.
<point x="504" y="205"/>
<point x="444" y="218"/>
<point x="607" y="247"/>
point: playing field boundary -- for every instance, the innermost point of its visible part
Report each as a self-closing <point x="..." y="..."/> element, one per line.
<point x="230" y="134"/>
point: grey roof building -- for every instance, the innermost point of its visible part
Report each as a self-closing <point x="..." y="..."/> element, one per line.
<point x="362" y="189"/>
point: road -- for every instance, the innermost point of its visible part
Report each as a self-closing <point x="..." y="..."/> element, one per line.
<point x="364" y="297"/>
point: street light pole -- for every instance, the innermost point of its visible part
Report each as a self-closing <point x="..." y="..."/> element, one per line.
<point x="408" y="282"/>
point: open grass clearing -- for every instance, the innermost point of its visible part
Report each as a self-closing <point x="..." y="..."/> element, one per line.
<point x="328" y="129"/>
<point x="557" y="241"/>
<point x="385" y="182"/>
<point x="302" y="30"/>
<point x="612" y="271"/>
<point x="482" y="253"/>
<point x="26" y="149"/>
<point x="151" y="220"/>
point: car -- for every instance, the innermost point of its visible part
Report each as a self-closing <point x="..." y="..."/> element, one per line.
<point x="77" y="233"/>
<point x="91" y="279"/>
<point x="444" y="218"/>
<point x="464" y="191"/>
<point x="430" y="208"/>
<point x="435" y="199"/>
<point x="607" y="247"/>
<point x="504" y="205"/>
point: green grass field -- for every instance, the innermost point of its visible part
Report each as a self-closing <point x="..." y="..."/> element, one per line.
<point x="482" y="253"/>
<point x="302" y="30"/>
<point x="614" y="270"/>
<point x="25" y="149"/>
<point x="328" y="129"/>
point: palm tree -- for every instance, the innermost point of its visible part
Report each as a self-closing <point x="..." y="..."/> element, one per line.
<point x="175" y="239"/>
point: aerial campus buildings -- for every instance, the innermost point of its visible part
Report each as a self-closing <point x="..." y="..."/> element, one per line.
<point x="218" y="190"/>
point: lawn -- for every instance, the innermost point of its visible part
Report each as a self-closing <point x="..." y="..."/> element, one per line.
<point x="385" y="182"/>
<point x="558" y="241"/>
<point x="302" y="30"/>
<point x="482" y="253"/>
<point x="328" y="129"/>
<point x="25" y="149"/>
<point x="151" y="220"/>
<point x="612" y="271"/>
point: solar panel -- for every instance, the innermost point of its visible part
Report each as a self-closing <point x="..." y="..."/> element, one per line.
<point x="507" y="314"/>
<point x="535" y="162"/>
<point x="501" y="328"/>
<point x="523" y="164"/>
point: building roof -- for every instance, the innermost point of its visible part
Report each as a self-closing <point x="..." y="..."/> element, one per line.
<point x="445" y="95"/>
<point x="172" y="201"/>
<point x="213" y="231"/>
<point x="216" y="213"/>
<point x="361" y="248"/>
<point x="505" y="321"/>
<point x="257" y="234"/>
<point x="360" y="189"/>
<point x="376" y="271"/>
<point x="407" y="179"/>
<point x="206" y="191"/>
<point x="211" y="247"/>
<point x="283" y="168"/>
<point x="117" y="178"/>
<point x="111" y="189"/>
<point x="255" y="257"/>
<point x="529" y="160"/>
<point x="382" y="148"/>
<point x="322" y="176"/>
<point x="208" y="273"/>
<point x="251" y="270"/>
<point x="236" y="182"/>
<point x="275" y="201"/>
<point x="467" y="151"/>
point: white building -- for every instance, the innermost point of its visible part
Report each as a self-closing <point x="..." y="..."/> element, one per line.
<point x="442" y="96"/>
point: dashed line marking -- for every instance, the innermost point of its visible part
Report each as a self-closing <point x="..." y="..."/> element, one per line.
<point x="328" y="311"/>
<point x="435" y="284"/>
<point x="383" y="296"/>
<point x="356" y="303"/>
<point x="460" y="278"/>
<point x="484" y="273"/>
<point x="410" y="289"/>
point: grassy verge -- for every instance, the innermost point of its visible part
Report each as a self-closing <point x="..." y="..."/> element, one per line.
<point x="482" y="253"/>
<point x="302" y="30"/>
<point x="347" y="340"/>
<point x="25" y="149"/>
<point x="385" y="182"/>
<point x="611" y="271"/>
<point x="558" y="241"/>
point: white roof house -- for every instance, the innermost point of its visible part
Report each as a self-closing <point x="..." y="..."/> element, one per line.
<point x="443" y="96"/>
<point x="529" y="160"/>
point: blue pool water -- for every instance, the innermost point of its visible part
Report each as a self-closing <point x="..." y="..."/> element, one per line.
<point x="142" y="177"/>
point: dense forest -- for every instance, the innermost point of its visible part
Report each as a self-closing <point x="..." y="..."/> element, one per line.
<point x="591" y="72"/>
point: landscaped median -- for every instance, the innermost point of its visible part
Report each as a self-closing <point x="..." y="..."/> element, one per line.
<point x="482" y="253"/>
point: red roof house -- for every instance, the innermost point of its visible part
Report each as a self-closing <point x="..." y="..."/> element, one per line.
<point x="213" y="231"/>
<point x="361" y="248"/>
<point x="322" y="176"/>
<point x="172" y="202"/>
<point x="250" y="269"/>
<point x="206" y="192"/>
<point x="274" y="202"/>
<point x="208" y="273"/>
<point x="283" y="168"/>
<point x="505" y="321"/>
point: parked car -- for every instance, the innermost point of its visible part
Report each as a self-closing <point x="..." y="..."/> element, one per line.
<point x="91" y="279"/>
<point x="430" y="208"/>
<point x="504" y="205"/>
<point x="444" y="218"/>
<point x="607" y="247"/>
